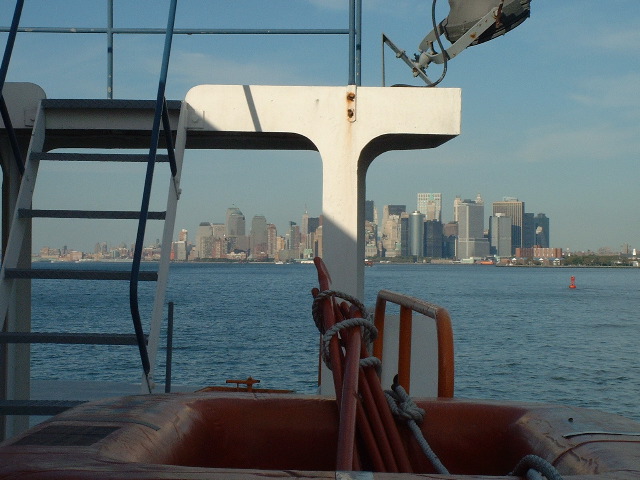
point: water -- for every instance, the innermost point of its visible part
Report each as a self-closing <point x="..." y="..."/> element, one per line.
<point x="520" y="333"/>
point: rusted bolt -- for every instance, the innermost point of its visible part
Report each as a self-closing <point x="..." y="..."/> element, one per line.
<point x="350" y="113"/>
<point x="351" y="96"/>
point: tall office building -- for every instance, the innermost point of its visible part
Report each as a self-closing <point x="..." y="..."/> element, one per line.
<point x="430" y="204"/>
<point x="433" y="239"/>
<point x="471" y="242"/>
<point x="369" y="211"/>
<point x="258" y="242"/>
<point x="203" y="245"/>
<point x="389" y="210"/>
<point x="404" y="234"/>
<point x="528" y="231"/>
<point x="416" y="234"/>
<point x="500" y="235"/>
<point x="235" y="222"/>
<point x="456" y="204"/>
<point x="541" y="226"/>
<point x="512" y="207"/>
<point x="272" y="240"/>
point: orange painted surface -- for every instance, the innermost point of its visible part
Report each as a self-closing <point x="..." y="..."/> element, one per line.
<point x="242" y="435"/>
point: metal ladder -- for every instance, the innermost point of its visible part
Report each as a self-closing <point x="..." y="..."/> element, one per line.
<point x="89" y="122"/>
<point x="75" y="112"/>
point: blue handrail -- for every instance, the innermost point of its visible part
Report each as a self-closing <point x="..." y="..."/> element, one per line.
<point x="160" y="115"/>
<point x="4" y="68"/>
<point x="353" y="31"/>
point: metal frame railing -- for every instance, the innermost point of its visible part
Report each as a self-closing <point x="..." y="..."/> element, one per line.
<point x="4" y="68"/>
<point x="354" y="31"/>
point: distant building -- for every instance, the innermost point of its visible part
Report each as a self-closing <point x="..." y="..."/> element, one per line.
<point x="471" y="241"/>
<point x="369" y="212"/>
<point x="512" y="207"/>
<point x="539" y="252"/>
<point x="416" y="234"/>
<point x="272" y="240"/>
<point x="433" y="239"/>
<point x="430" y="204"/>
<point x="541" y="225"/>
<point x="258" y="241"/>
<point x="528" y="231"/>
<point x="500" y="235"/>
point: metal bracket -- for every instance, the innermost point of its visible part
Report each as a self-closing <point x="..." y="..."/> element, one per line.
<point x="351" y="103"/>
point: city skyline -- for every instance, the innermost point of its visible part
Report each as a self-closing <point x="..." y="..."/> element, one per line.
<point x="497" y="208"/>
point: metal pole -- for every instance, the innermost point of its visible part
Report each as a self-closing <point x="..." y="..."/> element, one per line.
<point x="359" y="45"/>
<point x="167" y="375"/>
<point x="10" y="41"/>
<point x="109" y="49"/>
<point x="352" y="42"/>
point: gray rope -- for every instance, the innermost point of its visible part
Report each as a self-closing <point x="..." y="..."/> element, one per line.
<point x="369" y="331"/>
<point x="535" y="468"/>
<point x="404" y="408"/>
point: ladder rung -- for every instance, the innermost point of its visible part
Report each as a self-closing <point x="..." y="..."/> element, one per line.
<point x="63" y="274"/>
<point x="36" y="407"/>
<point x="101" y="103"/>
<point x="94" y="214"/>
<point x="69" y="338"/>
<point x="97" y="157"/>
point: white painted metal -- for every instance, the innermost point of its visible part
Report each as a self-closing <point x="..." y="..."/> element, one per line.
<point x="385" y="119"/>
<point x="15" y="295"/>
<point x="167" y="237"/>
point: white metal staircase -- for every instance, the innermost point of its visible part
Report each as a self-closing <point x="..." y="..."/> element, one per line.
<point x="91" y="125"/>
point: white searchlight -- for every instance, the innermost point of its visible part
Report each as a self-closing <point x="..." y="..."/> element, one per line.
<point x="470" y="22"/>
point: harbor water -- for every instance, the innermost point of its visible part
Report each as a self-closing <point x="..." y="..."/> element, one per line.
<point x="520" y="333"/>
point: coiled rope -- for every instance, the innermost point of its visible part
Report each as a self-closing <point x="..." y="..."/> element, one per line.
<point x="404" y="408"/>
<point x="534" y="467"/>
<point x="369" y="331"/>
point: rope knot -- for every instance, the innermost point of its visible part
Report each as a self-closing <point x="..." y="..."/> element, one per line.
<point x="402" y="405"/>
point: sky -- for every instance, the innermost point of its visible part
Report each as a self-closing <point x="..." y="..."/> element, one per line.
<point x="550" y="111"/>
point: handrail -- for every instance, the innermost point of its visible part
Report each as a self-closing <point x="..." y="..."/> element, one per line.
<point x="408" y="305"/>
<point x="4" y="68"/>
<point x="353" y="31"/>
<point x="160" y="115"/>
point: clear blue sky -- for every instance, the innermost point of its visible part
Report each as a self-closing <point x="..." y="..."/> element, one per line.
<point x="551" y="111"/>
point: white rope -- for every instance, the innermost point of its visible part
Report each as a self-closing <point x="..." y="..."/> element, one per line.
<point x="403" y="407"/>
<point x="368" y="329"/>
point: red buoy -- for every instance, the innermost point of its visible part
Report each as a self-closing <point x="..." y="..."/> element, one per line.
<point x="573" y="282"/>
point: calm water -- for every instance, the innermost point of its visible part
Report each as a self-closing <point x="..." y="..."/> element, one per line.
<point x="520" y="333"/>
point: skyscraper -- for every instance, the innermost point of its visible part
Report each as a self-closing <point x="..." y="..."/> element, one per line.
<point x="433" y="239"/>
<point x="541" y="226"/>
<point x="528" y="231"/>
<point x="258" y="242"/>
<point x="471" y="242"/>
<point x="235" y="222"/>
<point x="500" y="235"/>
<point x="512" y="207"/>
<point x="369" y="211"/>
<point x="430" y="204"/>
<point x="416" y="234"/>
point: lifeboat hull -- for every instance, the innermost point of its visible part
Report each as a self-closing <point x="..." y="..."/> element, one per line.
<point x="211" y="435"/>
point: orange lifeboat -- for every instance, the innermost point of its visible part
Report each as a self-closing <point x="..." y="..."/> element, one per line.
<point x="221" y="435"/>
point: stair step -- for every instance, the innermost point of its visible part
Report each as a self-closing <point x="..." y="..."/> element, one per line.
<point x="94" y="214"/>
<point x="37" y="407"/>
<point x="66" y="274"/>
<point x="97" y="157"/>
<point x="67" y="338"/>
<point x="101" y="103"/>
